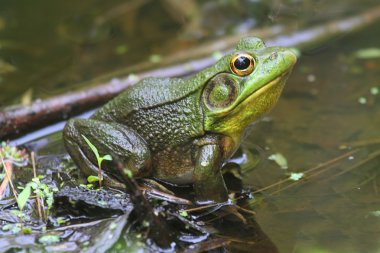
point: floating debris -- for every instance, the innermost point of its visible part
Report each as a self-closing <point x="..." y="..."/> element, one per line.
<point x="295" y="176"/>
<point x="368" y="53"/>
<point x="374" y="90"/>
<point x="311" y="78"/>
<point x="280" y="160"/>
<point x="362" y="100"/>
<point x="375" y="213"/>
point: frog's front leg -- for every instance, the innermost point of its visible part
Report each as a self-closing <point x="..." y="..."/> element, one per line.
<point x="209" y="184"/>
<point x="124" y="145"/>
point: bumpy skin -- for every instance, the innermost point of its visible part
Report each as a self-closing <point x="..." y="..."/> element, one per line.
<point x="182" y="131"/>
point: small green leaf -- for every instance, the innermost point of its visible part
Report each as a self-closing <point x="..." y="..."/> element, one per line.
<point x="107" y="158"/>
<point x="183" y="213"/>
<point x="92" y="147"/>
<point x="49" y="239"/>
<point x="92" y="179"/>
<point x="23" y="197"/>
<point x="6" y="227"/>
<point x="33" y="185"/>
<point x="128" y="172"/>
<point x="50" y="201"/>
<point x="61" y="221"/>
<point x="26" y="230"/>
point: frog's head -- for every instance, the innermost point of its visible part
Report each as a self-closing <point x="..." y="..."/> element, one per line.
<point x="248" y="83"/>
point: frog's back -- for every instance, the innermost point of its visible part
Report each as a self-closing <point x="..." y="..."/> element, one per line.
<point x="148" y="93"/>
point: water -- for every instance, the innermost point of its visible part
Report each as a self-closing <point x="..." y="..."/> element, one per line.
<point x="321" y="109"/>
<point x="330" y="99"/>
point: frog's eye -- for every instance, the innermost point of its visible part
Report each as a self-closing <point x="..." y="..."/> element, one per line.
<point x="242" y="64"/>
<point x="220" y="92"/>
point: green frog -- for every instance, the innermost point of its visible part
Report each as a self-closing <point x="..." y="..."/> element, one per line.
<point x="183" y="131"/>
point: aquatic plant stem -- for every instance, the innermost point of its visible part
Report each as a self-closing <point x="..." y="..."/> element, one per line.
<point x="35" y="175"/>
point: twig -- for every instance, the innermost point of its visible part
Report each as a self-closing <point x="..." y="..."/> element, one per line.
<point x="361" y="143"/>
<point x="18" y="120"/>
<point x="371" y="156"/>
<point x="319" y="166"/>
<point x="326" y="167"/>
<point x="8" y="174"/>
<point x="82" y="225"/>
<point x="199" y="208"/>
<point x="208" y="245"/>
<point x="37" y="197"/>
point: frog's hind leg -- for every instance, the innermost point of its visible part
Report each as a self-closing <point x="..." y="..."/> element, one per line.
<point x="126" y="147"/>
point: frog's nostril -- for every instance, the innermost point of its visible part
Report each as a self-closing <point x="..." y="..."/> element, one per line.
<point x="273" y="55"/>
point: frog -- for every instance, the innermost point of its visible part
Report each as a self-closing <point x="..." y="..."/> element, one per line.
<point x="183" y="130"/>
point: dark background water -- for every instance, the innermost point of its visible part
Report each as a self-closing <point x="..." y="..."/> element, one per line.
<point x="48" y="47"/>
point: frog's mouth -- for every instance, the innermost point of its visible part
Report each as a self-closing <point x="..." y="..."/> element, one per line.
<point x="276" y="83"/>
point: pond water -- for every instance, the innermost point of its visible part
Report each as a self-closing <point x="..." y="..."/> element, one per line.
<point x="329" y="111"/>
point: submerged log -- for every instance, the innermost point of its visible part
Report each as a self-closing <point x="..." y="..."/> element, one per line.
<point x="17" y="120"/>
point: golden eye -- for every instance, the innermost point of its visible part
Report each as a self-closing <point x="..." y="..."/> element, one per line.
<point x="242" y="64"/>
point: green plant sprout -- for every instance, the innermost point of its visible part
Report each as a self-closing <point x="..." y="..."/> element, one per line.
<point x="99" y="158"/>
<point x="43" y="192"/>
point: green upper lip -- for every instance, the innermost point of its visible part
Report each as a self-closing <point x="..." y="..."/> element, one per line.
<point x="274" y="81"/>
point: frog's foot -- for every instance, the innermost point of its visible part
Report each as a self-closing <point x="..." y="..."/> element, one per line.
<point x="123" y="144"/>
<point x="156" y="190"/>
